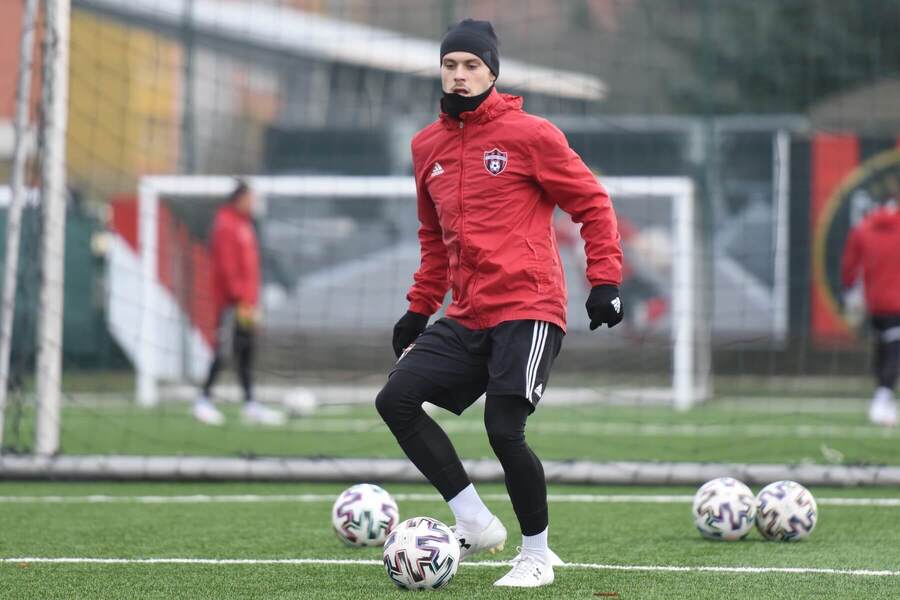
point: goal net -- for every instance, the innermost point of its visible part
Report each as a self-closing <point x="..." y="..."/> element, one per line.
<point x="735" y="189"/>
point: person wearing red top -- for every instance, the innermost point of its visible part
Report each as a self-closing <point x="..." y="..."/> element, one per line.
<point x="873" y="252"/>
<point x="235" y="278"/>
<point x="488" y="178"/>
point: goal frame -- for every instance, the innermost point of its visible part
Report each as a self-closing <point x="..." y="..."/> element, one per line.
<point x="690" y="348"/>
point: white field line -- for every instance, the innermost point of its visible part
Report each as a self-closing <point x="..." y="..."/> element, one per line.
<point x="791" y="405"/>
<point x="316" y="424"/>
<point x="327" y="498"/>
<point x="606" y="428"/>
<point x="348" y="397"/>
<point x="613" y="428"/>
<point x="491" y="564"/>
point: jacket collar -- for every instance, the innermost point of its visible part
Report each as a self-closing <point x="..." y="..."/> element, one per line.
<point x="492" y="107"/>
<point x="234" y="213"/>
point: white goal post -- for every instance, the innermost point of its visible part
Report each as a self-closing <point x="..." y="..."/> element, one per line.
<point x="689" y="350"/>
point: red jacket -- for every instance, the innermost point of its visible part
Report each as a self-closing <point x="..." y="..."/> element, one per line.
<point x="235" y="260"/>
<point x="873" y="248"/>
<point x="487" y="185"/>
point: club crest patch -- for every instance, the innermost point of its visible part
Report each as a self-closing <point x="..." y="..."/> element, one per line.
<point x="495" y="161"/>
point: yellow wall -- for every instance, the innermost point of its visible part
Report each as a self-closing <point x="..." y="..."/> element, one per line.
<point x="124" y="104"/>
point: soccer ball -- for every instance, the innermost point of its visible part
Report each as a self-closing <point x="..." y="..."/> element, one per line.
<point x="421" y="553"/>
<point x="300" y="402"/>
<point x="364" y="515"/>
<point x="787" y="511"/>
<point x="724" y="509"/>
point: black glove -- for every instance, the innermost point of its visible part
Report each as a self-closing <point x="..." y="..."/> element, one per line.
<point x="407" y="330"/>
<point x="604" y="306"/>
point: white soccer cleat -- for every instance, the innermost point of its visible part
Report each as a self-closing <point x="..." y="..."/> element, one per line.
<point x="555" y="561"/>
<point x="490" y="539"/>
<point x="528" y="571"/>
<point x="206" y="412"/>
<point x="255" y="413"/>
<point x="883" y="412"/>
<point x="883" y="409"/>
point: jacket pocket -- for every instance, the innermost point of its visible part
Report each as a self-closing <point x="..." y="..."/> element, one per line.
<point x="536" y="267"/>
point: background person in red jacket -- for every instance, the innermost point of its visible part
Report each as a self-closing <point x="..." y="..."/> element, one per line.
<point x="488" y="178"/>
<point x="235" y="288"/>
<point x="873" y="251"/>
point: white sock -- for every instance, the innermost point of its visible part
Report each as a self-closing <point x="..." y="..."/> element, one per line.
<point x="536" y="544"/>
<point x="469" y="510"/>
<point x="201" y="399"/>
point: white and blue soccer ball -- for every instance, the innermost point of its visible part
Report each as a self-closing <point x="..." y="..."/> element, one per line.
<point x="724" y="509"/>
<point x="364" y="515"/>
<point x="421" y="554"/>
<point x="786" y="512"/>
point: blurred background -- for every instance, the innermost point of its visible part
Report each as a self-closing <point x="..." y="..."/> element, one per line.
<point x="782" y="118"/>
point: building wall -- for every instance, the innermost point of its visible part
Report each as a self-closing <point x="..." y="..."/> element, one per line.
<point x="124" y="104"/>
<point x="10" y="38"/>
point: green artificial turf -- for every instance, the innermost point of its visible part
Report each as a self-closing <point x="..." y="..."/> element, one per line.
<point x="746" y="431"/>
<point x="598" y="533"/>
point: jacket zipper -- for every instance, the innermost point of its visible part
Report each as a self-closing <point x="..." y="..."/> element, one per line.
<point x="462" y="214"/>
<point x="462" y="225"/>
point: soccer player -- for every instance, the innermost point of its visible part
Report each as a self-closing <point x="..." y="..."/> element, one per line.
<point x="873" y="250"/>
<point x="235" y="291"/>
<point x="488" y="177"/>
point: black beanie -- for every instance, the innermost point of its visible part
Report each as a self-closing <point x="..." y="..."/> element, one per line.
<point x="475" y="37"/>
